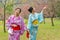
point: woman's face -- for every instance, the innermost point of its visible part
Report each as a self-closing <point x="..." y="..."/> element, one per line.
<point x="33" y="10"/>
<point x="17" y="11"/>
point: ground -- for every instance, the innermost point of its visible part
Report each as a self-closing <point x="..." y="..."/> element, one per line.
<point x="45" y="31"/>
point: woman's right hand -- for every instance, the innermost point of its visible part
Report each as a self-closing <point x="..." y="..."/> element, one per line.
<point x="10" y="31"/>
<point x="13" y="25"/>
<point x="27" y="34"/>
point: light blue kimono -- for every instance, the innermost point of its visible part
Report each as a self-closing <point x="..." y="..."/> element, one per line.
<point x="33" y="28"/>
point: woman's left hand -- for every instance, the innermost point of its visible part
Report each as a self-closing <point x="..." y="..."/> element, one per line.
<point x="14" y="25"/>
<point x="44" y="7"/>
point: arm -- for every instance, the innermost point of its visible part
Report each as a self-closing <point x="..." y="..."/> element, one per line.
<point x="43" y="9"/>
<point x="29" y="22"/>
<point x="8" y="23"/>
<point x="29" y="26"/>
<point x="23" y="26"/>
<point x="40" y="16"/>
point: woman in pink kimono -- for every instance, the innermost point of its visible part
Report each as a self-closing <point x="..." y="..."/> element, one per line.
<point x="15" y="25"/>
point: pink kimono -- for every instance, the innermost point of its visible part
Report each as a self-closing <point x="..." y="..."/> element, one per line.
<point x="15" y="33"/>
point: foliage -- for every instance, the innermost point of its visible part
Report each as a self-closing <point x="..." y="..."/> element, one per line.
<point x="9" y="6"/>
<point x="58" y="8"/>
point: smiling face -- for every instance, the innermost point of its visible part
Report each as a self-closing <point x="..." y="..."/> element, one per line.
<point x="17" y="11"/>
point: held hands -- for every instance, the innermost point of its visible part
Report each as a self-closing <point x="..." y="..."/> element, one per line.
<point x="13" y="25"/>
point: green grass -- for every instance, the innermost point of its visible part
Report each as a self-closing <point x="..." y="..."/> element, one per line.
<point x="45" y="31"/>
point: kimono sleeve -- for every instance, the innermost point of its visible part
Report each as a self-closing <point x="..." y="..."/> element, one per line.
<point x="8" y="23"/>
<point x="40" y="17"/>
<point x="29" y="22"/>
<point x="23" y="26"/>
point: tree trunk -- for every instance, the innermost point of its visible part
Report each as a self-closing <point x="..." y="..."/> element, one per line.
<point x="52" y="21"/>
<point x="4" y="15"/>
<point x="53" y="10"/>
<point x="44" y="19"/>
<point x="4" y="19"/>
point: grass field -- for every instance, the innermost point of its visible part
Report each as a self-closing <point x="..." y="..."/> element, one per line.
<point x="45" y="31"/>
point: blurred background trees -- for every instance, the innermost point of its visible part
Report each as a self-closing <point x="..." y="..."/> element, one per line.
<point x="7" y="7"/>
<point x="38" y="4"/>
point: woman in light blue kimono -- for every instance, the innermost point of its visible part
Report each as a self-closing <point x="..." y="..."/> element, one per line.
<point x="33" y="28"/>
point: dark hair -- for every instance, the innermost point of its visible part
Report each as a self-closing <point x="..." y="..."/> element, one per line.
<point x="19" y="9"/>
<point x="30" y="9"/>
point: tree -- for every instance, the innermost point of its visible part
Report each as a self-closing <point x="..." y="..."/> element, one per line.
<point x="52" y="10"/>
<point x="57" y="8"/>
<point x="7" y="7"/>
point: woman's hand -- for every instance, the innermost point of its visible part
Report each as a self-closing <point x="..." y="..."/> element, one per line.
<point x="45" y="7"/>
<point x="13" y="25"/>
<point x="10" y="31"/>
<point x="27" y="34"/>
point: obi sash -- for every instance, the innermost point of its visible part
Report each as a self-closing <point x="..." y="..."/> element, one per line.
<point x="35" y="22"/>
<point x="17" y="27"/>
